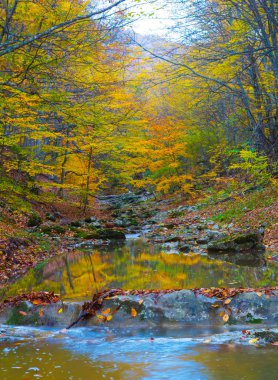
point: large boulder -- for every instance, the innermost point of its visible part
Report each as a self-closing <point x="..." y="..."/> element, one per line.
<point x="243" y="241"/>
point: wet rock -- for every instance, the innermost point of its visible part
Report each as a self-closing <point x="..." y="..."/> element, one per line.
<point x="243" y="241"/>
<point x="212" y="235"/>
<point x="171" y="239"/>
<point x="181" y="306"/>
<point x="109" y="233"/>
<point x="186" y="248"/>
<point x="203" y="240"/>
<point x="267" y="336"/>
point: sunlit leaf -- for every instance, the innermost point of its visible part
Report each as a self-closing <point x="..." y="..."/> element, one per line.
<point x="105" y="312"/>
<point x="225" y="317"/>
<point x="101" y="317"/>
<point x="60" y="310"/>
<point x="41" y="313"/>
<point x="253" y="341"/>
<point x="22" y="313"/>
<point x="133" y="312"/>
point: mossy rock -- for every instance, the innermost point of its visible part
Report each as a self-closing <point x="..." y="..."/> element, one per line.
<point x="243" y="241"/>
<point x="34" y="220"/>
<point x="16" y="316"/>
<point x="53" y="229"/>
<point x="109" y="233"/>
<point x="267" y="336"/>
<point x="81" y="234"/>
<point x="76" y="224"/>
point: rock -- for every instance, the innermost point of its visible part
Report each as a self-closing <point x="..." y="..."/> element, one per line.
<point x="50" y="230"/>
<point x="181" y="306"/>
<point x="203" y="240"/>
<point x="171" y="239"/>
<point x="212" y="235"/>
<point x="109" y="233"/>
<point x="243" y="241"/>
<point x="50" y="217"/>
<point x="185" y="248"/>
<point x="267" y="336"/>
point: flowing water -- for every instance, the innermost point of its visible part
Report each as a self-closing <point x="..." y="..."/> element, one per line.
<point x="161" y="352"/>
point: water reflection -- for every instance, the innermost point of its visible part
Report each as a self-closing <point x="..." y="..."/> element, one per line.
<point x="138" y="265"/>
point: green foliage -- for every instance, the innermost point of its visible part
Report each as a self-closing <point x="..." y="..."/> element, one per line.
<point x="253" y="167"/>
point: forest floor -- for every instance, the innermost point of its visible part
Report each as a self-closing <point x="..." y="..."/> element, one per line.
<point x="26" y="240"/>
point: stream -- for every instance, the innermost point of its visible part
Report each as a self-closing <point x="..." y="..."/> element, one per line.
<point x="135" y="352"/>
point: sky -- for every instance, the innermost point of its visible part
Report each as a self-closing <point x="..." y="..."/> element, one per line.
<point x="155" y="20"/>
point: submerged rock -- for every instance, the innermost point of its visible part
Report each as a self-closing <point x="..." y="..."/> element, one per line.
<point x="243" y="241"/>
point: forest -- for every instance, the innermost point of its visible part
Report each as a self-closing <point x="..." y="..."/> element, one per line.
<point x="138" y="160"/>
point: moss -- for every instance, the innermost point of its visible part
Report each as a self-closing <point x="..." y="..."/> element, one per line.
<point x="268" y="336"/>
<point x="34" y="220"/>
<point x="53" y="229"/>
<point x="15" y="318"/>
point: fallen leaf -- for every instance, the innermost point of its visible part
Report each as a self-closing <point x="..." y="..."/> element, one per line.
<point x="274" y="344"/>
<point x="221" y="314"/>
<point x="259" y="294"/>
<point x="41" y="313"/>
<point x="133" y="312"/>
<point x="227" y="301"/>
<point x="22" y="313"/>
<point x="60" y="311"/>
<point x="105" y="312"/>
<point x="226" y="317"/>
<point x="215" y="305"/>
<point x="101" y="317"/>
<point x="253" y="341"/>
<point x="109" y="318"/>
<point x="140" y="302"/>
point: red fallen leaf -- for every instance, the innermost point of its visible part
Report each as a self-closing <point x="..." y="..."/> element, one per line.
<point x="244" y="331"/>
<point x="22" y="313"/>
<point x="152" y="339"/>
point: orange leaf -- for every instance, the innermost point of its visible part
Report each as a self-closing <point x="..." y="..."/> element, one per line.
<point x="140" y="302"/>
<point x="41" y="313"/>
<point x="227" y="301"/>
<point x="226" y="318"/>
<point x="107" y="311"/>
<point x="22" y="313"/>
<point x="133" y="312"/>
